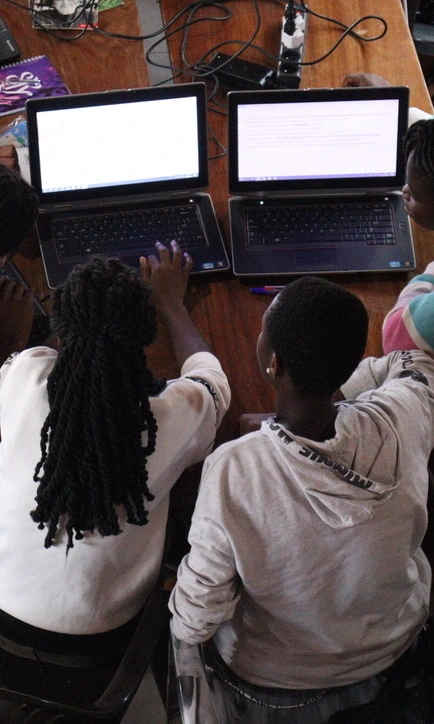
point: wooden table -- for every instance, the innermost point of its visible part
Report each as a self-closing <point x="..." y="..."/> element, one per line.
<point x="222" y="306"/>
<point x="93" y="62"/>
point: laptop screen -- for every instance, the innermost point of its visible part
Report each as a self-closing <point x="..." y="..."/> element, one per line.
<point x="348" y="138"/>
<point x="120" y="142"/>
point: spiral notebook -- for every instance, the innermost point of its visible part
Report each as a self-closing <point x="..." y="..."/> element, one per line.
<point x="30" y="78"/>
<point x="318" y="176"/>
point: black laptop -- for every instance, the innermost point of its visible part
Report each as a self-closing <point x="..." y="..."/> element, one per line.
<point x="117" y="171"/>
<point x="318" y="176"/>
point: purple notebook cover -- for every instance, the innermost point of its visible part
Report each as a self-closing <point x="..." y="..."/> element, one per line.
<point x="31" y="78"/>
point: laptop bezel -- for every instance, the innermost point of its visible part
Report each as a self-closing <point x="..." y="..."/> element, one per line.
<point x="124" y="191"/>
<point x="304" y="186"/>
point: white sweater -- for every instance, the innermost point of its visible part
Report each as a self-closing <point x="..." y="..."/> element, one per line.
<point x="103" y="582"/>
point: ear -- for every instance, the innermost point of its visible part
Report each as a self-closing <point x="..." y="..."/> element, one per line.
<point x="276" y="367"/>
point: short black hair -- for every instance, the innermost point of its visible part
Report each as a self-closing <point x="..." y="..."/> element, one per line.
<point x="18" y="209"/>
<point x="419" y="139"/>
<point x="318" y="330"/>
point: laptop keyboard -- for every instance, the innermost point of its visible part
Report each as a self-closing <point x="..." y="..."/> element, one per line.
<point x="131" y="231"/>
<point x="369" y="224"/>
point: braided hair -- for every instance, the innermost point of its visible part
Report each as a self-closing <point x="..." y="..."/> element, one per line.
<point x="93" y="458"/>
<point x="419" y="139"/>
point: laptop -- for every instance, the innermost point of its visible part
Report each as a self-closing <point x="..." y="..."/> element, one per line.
<point x="106" y="166"/>
<point x="306" y="166"/>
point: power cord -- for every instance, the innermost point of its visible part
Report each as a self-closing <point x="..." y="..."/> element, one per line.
<point x="348" y="30"/>
<point x="195" y="69"/>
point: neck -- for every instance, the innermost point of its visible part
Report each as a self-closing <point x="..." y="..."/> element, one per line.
<point x="312" y="418"/>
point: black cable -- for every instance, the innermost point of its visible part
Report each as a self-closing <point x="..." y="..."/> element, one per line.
<point x="245" y="44"/>
<point x="184" y="27"/>
<point x="349" y="30"/>
<point x="212" y="135"/>
<point x="165" y="26"/>
<point x="47" y="297"/>
<point x="194" y="69"/>
<point x="307" y="9"/>
<point x="121" y="36"/>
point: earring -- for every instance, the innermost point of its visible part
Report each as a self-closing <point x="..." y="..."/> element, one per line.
<point x="268" y="371"/>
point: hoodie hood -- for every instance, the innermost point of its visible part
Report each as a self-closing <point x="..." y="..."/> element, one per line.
<point x="338" y="476"/>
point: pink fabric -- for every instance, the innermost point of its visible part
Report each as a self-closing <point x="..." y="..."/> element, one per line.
<point x="395" y="334"/>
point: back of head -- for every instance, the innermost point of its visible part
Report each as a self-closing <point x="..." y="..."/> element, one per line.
<point x="93" y="457"/>
<point x="318" y="330"/>
<point x="104" y="299"/>
<point x="18" y="209"/>
<point x="419" y="140"/>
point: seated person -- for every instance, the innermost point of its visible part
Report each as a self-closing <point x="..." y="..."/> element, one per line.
<point x="306" y="567"/>
<point x="409" y="324"/>
<point x="358" y="80"/>
<point x="18" y="206"/>
<point x="91" y="444"/>
<point x="418" y="192"/>
<point x="9" y="157"/>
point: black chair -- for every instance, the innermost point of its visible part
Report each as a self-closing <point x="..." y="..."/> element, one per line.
<point x="116" y="692"/>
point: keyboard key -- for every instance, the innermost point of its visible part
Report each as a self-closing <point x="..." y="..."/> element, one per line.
<point x="359" y="223"/>
<point x="128" y="232"/>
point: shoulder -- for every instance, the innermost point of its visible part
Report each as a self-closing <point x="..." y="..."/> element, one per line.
<point x="202" y="376"/>
<point x="417" y="114"/>
<point x="21" y="364"/>
<point x="201" y="362"/>
<point x="236" y="455"/>
<point x="230" y="474"/>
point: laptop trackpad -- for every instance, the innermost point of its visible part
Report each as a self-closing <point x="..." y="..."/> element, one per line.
<point x="316" y="259"/>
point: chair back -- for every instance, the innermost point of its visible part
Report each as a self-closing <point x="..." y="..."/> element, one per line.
<point x="115" y="694"/>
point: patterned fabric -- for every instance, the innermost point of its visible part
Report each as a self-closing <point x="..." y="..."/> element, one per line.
<point x="409" y="325"/>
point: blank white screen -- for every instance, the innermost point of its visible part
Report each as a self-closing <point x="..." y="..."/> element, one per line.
<point x="124" y="143"/>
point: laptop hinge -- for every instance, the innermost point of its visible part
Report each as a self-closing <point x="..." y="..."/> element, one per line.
<point x="318" y="193"/>
<point x="113" y="201"/>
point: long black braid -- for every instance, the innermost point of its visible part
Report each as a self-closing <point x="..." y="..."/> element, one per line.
<point x="93" y="458"/>
<point x="419" y="139"/>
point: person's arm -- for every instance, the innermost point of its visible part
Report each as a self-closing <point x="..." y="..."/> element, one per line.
<point x="410" y="323"/>
<point x="374" y="372"/>
<point x="408" y="326"/>
<point x="16" y="317"/>
<point x="168" y="277"/>
<point x="358" y="80"/>
<point x="208" y="586"/>
<point x="371" y="373"/>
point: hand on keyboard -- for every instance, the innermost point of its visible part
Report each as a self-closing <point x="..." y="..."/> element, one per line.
<point x="167" y="273"/>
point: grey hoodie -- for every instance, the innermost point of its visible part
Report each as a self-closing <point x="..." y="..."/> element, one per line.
<point x="306" y="564"/>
